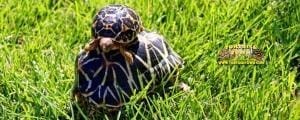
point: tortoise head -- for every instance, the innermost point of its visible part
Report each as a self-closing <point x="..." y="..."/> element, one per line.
<point x="116" y="24"/>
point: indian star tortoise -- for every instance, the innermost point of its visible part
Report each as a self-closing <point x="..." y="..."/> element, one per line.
<point x="121" y="59"/>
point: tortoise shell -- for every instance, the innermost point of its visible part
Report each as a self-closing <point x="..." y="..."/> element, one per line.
<point x="118" y="22"/>
<point x="106" y="80"/>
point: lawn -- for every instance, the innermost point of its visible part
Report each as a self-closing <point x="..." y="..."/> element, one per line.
<point x="39" y="40"/>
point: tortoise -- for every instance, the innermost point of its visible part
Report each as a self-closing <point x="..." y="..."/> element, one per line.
<point x="121" y="59"/>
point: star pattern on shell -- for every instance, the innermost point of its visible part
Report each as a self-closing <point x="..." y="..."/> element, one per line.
<point x="105" y="79"/>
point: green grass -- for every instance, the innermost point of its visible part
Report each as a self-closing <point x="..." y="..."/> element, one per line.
<point x="39" y="40"/>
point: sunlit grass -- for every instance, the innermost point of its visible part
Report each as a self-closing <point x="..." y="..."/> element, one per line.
<point x="40" y="39"/>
